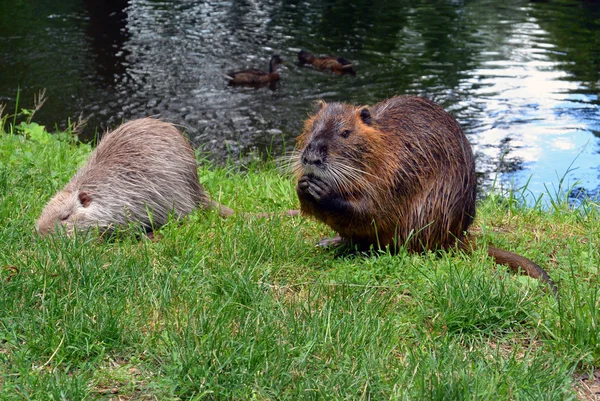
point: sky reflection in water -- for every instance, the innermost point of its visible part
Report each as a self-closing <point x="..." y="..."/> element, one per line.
<point x="522" y="78"/>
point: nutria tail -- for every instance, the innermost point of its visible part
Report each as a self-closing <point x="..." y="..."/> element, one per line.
<point x="224" y="211"/>
<point x="515" y="262"/>
<point x="267" y="215"/>
<point x="520" y="263"/>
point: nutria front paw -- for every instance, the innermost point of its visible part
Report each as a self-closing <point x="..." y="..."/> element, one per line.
<point x="320" y="192"/>
<point x="313" y="187"/>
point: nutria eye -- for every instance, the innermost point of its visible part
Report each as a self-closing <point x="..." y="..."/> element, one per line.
<point x="64" y="217"/>
<point x="345" y="133"/>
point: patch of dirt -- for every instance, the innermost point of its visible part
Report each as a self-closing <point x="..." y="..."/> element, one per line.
<point x="588" y="386"/>
<point x="121" y="381"/>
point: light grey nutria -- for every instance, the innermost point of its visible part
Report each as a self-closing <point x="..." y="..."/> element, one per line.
<point x="140" y="173"/>
<point x="339" y="65"/>
<point x="398" y="173"/>
<point x="254" y="77"/>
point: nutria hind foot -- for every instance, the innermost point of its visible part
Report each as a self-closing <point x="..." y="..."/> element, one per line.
<point x="341" y="247"/>
<point x="335" y="242"/>
<point x="345" y="247"/>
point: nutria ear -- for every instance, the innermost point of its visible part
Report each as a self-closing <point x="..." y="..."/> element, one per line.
<point x="85" y="199"/>
<point x="320" y="105"/>
<point x="365" y="116"/>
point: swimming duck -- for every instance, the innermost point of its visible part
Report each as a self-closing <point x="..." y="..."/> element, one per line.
<point x="255" y="77"/>
<point x="339" y="65"/>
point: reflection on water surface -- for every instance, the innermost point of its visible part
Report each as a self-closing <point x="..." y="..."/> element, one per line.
<point x="522" y="78"/>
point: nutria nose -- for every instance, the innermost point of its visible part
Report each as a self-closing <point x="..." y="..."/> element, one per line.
<point x="312" y="159"/>
<point x="315" y="153"/>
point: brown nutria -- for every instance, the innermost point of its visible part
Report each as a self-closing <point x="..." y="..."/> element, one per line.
<point x="140" y="173"/>
<point x="398" y="173"/>
<point x="339" y="65"/>
<point x="254" y="77"/>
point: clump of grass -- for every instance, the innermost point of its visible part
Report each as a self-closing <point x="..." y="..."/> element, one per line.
<point x="474" y="301"/>
<point x="247" y="308"/>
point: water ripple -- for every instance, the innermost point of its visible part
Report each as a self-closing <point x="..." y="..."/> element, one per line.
<point x="521" y="77"/>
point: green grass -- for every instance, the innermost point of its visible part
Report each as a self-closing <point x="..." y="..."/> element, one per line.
<point x="250" y="309"/>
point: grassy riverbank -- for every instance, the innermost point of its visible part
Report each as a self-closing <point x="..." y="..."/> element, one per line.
<point x="250" y="309"/>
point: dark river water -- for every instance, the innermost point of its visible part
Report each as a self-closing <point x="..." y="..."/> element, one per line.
<point x="521" y="77"/>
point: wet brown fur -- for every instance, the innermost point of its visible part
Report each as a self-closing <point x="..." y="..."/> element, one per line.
<point x="337" y="65"/>
<point x="405" y="176"/>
